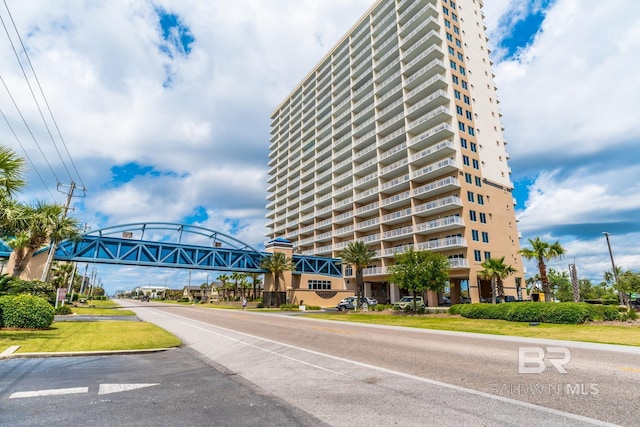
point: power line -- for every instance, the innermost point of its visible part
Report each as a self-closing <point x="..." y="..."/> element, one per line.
<point x="35" y="75"/>
<point x="29" y="129"/>
<point x="26" y="154"/>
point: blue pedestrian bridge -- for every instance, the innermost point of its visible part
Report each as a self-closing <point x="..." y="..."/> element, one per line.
<point x="163" y="244"/>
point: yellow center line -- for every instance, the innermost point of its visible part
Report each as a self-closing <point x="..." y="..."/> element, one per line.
<point x="629" y="369"/>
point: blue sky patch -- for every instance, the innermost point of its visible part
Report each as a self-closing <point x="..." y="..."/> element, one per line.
<point x="523" y="30"/>
<point x="199" y="215"/>
<point x="129" y="171"/>
<point x="176" y="36"/>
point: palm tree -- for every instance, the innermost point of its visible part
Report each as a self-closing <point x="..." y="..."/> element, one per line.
<point x="276" y="264"/>
<point x="237" y="278"/>
<point x="224" y="278"/>
<point x="34" y="227"/>
<point x="358" y="255"/>
<point x="496" y="270"/>
<point x="257" y="281"/>
<point x="542" y="252"/>
<point x="12" y="168"/>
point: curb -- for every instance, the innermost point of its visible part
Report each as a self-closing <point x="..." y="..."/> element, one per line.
<point x="10" y="355"/>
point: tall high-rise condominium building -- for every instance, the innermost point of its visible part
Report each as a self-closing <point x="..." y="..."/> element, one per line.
<point x="395" y="139"/>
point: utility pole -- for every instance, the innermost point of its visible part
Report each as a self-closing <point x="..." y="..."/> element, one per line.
<point x="613" y="266"/>
<point x="52" y="248"/>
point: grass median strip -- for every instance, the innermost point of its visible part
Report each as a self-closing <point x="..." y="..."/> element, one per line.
<point x="89" y="336"/>
<point x="590" y="332"/>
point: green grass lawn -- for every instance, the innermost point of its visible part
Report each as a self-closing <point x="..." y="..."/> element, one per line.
<point x="589" y="332"/>
<point x="101" y="308"/>
<point x="89" y="336"/>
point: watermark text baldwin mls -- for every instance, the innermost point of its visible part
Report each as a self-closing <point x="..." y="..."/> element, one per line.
<point x="531" y="360"/>
<point x="539" y="360"/>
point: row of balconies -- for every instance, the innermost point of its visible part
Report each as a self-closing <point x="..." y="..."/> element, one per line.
<point x="318" y="191"/>
<point x="442" y="244"/>
<point x="433" y="207"/>
<point x="435" y="115"/>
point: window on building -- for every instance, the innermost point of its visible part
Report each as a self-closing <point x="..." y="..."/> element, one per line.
<point x="459" y="110"/>
<point x="485" y="237"/>
<point x="470" y="196"/>
<point x="452" y="51"/>
<point x="457" y="94"/>
<point x="471" y="131"/>
<point x="319" y="284"/>
<point x="458" y="43"/>
<point x="478" y="181"/>
<point x="466" y="99"/>
<point x="467" y="177"/>
<point x="469" y="115"/>
<point x="480" y="199"/>
<point x="445" y="10"/>
<point x="447" y="23"/>
<point x="455" y="79"/>
<point x="456" y="30"/>
<point x="476" y="165"/>
<point x="477" y="256"/>
<point x="465" y="85"/>
<point x="463" y="71"/>
<point x="483" y="218"/>
<point x="453" y="5"/>
<point x="449" y="37"/>
<point x="473" y="216"/>
<point x="461" y="126"/>
<point x="465" y="160"/>
<point x="452" y="63"/>
<point x="475" y="236"/>
<point x="474" y="146"/>
<point x="463" y="143"/>
<point x="454" y="17"/>
<point x="460" y="57"/>
<point x="487" y="255"/>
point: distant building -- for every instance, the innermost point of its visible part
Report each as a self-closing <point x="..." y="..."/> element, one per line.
<point x="395" y="139"/>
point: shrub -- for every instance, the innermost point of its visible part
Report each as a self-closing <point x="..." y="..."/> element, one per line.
<point x="26" y="312"/>
<point x="260" y="305"/>
<point x="379" y="307"/>
<point x="63" y="310"/>
<point x="455" y="309"/>
<point x="631" y="314"/>
<point x="183" y="299"/>
<point x="568" y="312"/>
<point x="604" y="312"/>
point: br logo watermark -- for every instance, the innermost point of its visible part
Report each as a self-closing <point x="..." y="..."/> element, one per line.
<point x="533" y="360"/>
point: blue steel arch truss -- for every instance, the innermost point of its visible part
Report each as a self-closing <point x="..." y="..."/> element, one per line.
<point x="126" y="245"/>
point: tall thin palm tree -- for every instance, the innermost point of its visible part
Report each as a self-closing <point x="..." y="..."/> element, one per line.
<point x="542" y="252"/>
<point x="237" y="278"/>
<point x="496" y="270"/>
<point x="224" y="278"/>
<point x="257" y="281"/>
<point x="276" y="264"/>
<point x="358" y="255"/>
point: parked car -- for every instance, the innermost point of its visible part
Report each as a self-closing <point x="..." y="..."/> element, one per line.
<point x="405" y="302"/>
<point x="348" y="303"/>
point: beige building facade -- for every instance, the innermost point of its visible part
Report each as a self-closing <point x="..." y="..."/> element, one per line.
<point x="395" y="139"/>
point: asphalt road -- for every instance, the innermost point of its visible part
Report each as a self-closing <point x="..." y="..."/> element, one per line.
<point x="171" y="388"/>
<point x="354" y="374"/>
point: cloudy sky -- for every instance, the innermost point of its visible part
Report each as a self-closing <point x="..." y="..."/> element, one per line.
<point x="162" y="112"/>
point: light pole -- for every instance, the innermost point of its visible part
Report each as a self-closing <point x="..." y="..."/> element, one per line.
<point x="613" y="265"/>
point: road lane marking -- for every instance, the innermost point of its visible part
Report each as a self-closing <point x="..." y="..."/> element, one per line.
<point x="52" y="392"/>
<point x="117" y="388"/>
<point x="528" y="405"/>
<point x="630" y="369"/>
